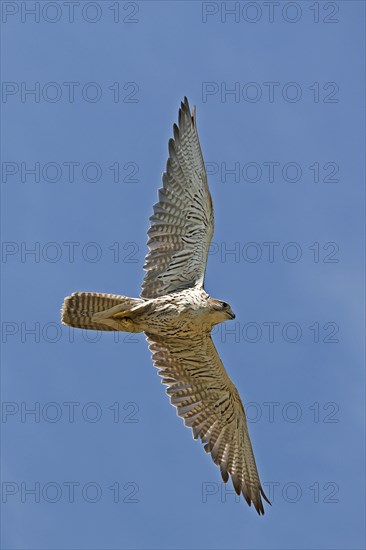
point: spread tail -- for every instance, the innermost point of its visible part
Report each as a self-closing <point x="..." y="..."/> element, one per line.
<point x="79" y="309"/>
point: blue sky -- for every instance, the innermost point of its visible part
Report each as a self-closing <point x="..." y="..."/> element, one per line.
<point x="110" y="464"/>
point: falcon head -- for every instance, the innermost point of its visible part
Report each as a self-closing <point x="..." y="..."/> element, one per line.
<point x="220" y="311"/>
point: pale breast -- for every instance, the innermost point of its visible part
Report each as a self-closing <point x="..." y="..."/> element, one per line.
<point x="177" y="313"/>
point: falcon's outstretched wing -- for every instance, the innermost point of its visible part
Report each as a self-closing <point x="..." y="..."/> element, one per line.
<point x="209" y="403"/>
<point x="182" y="224"/>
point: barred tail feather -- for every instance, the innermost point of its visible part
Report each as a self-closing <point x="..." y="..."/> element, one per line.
<point x="79" y="308"/>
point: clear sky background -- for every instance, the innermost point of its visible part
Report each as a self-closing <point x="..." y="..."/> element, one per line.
<point x="293" y="133"/>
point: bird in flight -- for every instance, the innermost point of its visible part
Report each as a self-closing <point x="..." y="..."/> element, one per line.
<point x="177" y="315"/>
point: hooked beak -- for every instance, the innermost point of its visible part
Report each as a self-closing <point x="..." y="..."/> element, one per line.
<point x="232" y="315"/>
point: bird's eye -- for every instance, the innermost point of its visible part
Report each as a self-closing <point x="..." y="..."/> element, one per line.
<point x="224" y="305"/>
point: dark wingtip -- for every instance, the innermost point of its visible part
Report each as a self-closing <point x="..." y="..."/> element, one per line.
<point x="265" y="497"/>
<point x="258" y="504"/>
<point x="224" y="475"/>
<point x="192" y="113"/>
<point x="186" y="110"/>
<point x="171" y="148"/>
<point x="255" y="498"/>
<point x="176" y="132"/>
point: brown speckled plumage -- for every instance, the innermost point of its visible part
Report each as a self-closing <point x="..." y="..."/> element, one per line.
<point x="177" y="314"/>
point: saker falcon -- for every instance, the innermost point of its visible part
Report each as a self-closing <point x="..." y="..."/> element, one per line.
<point x="177" y="315"/>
